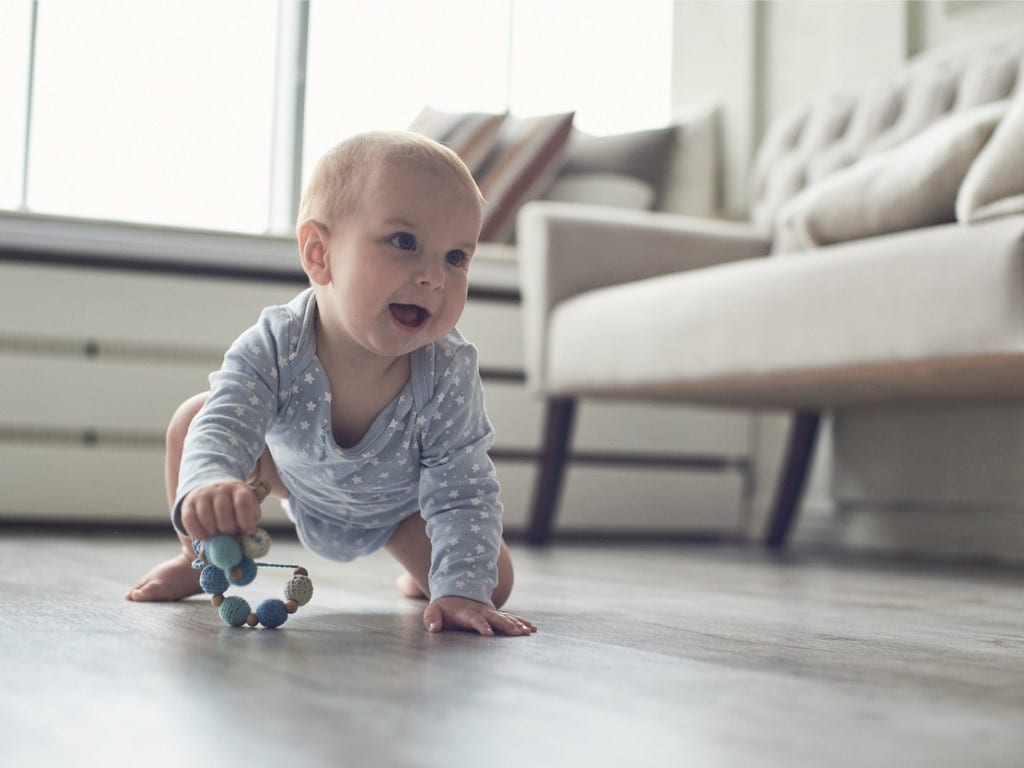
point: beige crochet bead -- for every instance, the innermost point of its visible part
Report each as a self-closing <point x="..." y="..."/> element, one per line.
<point x="256" y="544"/>
<point x="252" y="620"/>
<point x="299" y="589"/>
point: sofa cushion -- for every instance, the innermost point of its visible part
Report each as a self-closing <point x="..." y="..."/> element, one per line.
<point x="935" y="312"/>
<point x="471" y="135"/>
<point x="913" y="185"/>
<point x="528" y="154"/>
<point x="994" y="185"/>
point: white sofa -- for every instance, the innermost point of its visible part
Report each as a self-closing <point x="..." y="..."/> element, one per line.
<point x="853" y="284"/>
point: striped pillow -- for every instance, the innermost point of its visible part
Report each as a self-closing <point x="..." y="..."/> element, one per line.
<point x="529" y="154"/>
<point x="472" y="135"/>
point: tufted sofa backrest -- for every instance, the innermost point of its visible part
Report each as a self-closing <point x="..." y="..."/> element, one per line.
<point x="812" y="140"/>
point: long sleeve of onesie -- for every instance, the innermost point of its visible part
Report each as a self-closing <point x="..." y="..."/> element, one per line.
<point x="458" y="488"/>
<point x="228" y="435"/>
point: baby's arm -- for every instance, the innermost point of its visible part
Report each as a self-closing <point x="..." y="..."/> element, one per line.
<point x="459" y="501"/>
<point x="227" y="437"/>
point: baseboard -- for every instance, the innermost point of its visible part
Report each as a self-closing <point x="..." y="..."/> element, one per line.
<point x="993" y="533"/>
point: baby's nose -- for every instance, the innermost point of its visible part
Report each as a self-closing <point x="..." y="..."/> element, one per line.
<point x="431" y="274"/>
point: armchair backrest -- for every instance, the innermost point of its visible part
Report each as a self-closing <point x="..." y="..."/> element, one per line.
<point x="812" y="140"/>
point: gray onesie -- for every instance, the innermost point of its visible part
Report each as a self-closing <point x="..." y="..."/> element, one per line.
<point x="425" y="453"/>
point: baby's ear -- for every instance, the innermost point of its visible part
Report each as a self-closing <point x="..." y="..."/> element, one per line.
<point x="313" y="240"/>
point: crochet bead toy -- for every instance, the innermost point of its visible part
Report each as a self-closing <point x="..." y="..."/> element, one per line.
<point x="228" y="560"/>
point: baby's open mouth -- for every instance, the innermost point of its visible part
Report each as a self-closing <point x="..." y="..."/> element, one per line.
<point x="409" y="315"/>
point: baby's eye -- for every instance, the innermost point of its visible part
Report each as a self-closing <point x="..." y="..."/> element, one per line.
<point x="456" y="258"/>
<point x="404" y="240"/>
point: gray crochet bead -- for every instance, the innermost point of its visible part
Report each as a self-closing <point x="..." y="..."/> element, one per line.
<point x="299" y="589"/>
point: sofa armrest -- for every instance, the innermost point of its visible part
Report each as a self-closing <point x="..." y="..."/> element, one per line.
<point x="566" y="249"/>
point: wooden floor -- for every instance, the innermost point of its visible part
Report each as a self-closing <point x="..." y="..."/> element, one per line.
<point x="645" y="656"/>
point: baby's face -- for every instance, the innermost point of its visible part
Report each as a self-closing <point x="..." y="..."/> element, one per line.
<point x="400" y="261"/>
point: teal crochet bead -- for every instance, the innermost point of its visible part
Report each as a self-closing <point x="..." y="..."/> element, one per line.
<point x="213" y="581"/>
<point x="271" y="613"/>
<point x="234" y="611"/>
<point x="223" y="551"/>
<point x="243" y="573"/>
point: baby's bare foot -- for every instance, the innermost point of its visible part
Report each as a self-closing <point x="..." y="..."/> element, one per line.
<point x="407" y="586"/>
<point x="173" y="579"/>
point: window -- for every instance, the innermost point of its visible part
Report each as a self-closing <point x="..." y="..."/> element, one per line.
<point x="151" y="112"/>
<point x="376" y="65"/>
<point x="164" y="113"/>
<point x="15" y="34"/>
<point x="611" y="62"/>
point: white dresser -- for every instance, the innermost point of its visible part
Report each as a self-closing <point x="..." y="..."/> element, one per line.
<point x="105" y="329"/>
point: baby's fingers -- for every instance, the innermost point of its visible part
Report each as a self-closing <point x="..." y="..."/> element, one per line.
<point x="473" y="620"/>
<point x="225" y="513"/>
<point x="197" y="517"/>
<point x="508" y="624"/>
<point x="247" y="509"/>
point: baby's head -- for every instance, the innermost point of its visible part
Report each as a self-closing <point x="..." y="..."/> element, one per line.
<point x="344" y="173"/>
<point x="387" y="228"/>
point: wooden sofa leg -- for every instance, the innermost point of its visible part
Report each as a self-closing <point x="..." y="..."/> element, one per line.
<point x="792" y="478"/>
<point x="558" y="425"/>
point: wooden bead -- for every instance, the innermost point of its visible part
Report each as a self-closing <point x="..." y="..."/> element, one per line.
<point x="291" y="606"/>
<point x="300" y="571"/>
<point x="251" y="620"/>
<point x="217" y="600"/>
<point x="262" y="490"/>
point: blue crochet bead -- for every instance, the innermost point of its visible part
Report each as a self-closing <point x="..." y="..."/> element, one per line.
<point x="197" y="545"/>
<point x="234" y="611"/>
<point x="272" y="613"/>
<point x="243" y="573"/>
<point x="223" y="551"/>
<point x="213" y="581"/>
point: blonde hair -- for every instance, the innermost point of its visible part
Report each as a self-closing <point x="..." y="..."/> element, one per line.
<point x="344" y="171"/>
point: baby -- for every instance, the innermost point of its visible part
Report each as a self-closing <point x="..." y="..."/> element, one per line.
<point x="359" y="403"/>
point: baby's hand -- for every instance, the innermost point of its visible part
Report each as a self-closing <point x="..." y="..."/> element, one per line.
<point x="228" y="507"/>
<point x="461" y="613"/>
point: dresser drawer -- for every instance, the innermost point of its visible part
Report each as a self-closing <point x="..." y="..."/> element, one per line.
<point x="95" y="393"/>
<point x="129" y="308"/>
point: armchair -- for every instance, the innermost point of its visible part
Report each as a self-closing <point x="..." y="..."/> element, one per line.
<point x="659" y="306"/>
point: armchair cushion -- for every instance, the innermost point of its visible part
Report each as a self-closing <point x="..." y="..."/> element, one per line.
<point x="567" y="249"/>
<point x="529" y="153"/>
<point x="472" y="135"/>
<point x="994" y="185"/>
<point x="935" y="313"/>
<point x="611" y="189"/>
<point x="642" y="155"/>
<point x="913" y="185"/>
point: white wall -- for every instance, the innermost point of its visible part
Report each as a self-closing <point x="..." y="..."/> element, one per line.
<point x="935" y="24"/>
<point x="818" y="47"/>
<point x="715" y="62"/>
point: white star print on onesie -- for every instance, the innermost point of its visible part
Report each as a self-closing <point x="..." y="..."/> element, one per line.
<point x="425" y="453"/>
